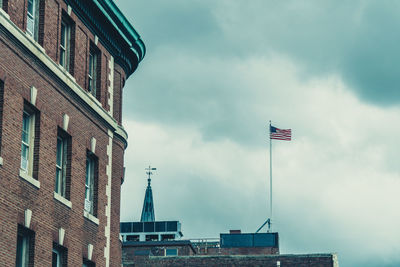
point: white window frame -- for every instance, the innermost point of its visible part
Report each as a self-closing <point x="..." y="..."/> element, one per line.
<point x="61" y="166"/>
<point x="92" y="73"/>
<point x="28" y="142"/>
<point x="89" y="184"/>
<point x="23" y="246"/>
<point x="32" y="18"/>
<point x="58" y="257"/>
<point x="65" y="44"/>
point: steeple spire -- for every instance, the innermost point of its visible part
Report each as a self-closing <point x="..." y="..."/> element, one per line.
<point x="148" y="206"/>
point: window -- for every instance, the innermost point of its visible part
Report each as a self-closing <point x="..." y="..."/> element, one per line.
<point x="28" y="137"/>
<point x="63" y="164"/>
<point x="171" y="252"/>
<point x="65" y="44"/>
<point x="25" y="247"/>
<point x="132" y="237"/>
<point x="32" y="18"/>
<point x="30" y="141"/>
<point x="93" y="73"/>
<point x="87" y="263"/>
<point x="91" y="184"/>
<point x="1" y="109"/>
<point x="59" y="256"/>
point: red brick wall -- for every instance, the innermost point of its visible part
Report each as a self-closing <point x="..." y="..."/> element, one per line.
<point x="248" y="261"/>
<point x="49" y="38"/>
<point x="53" y="100"/>
<point x="118" y="84"/>
<point x="117" y="174"/>
<point x="129" y="253"/>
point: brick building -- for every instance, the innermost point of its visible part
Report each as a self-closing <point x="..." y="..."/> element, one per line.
<point x="305" y="260"/>
<point x="157" y="243"/>
<point x="63" y="65"/>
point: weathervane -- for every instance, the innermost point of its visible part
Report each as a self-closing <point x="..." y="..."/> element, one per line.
<point x="149" y="173"/>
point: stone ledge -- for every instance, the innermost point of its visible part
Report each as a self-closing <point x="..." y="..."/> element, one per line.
<point x="29" y="43"/>
<point x="29" y="179"/>
<point x="63" y="200"/>
<point x="90" y="217"/>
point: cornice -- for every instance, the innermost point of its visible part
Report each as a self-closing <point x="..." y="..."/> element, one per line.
<point x="106" y="21"/>
<point x="24" y="41"/>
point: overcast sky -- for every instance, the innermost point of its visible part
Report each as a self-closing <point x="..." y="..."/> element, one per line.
<point x="216" y="72"/>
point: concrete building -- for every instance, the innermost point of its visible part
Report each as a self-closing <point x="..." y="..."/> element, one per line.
<point x="63" y="66"/>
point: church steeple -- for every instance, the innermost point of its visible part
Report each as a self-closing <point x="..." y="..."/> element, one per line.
<point x="148" y="206"/>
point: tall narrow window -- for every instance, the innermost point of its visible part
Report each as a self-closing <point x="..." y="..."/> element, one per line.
<point x="91" y="184"/>
<point x="32" y="18"/>
<point x="94" y="71"/>
<point x="1" y="110"/>
<point x="28" y="122"/>
<point x="65" y="44"/>
<point x="30" y="141"/>
<point x="25" y="247"/>
<point x="59" y="256"/>
<point x="63" y="160"/>
<point x="87" y="263"/>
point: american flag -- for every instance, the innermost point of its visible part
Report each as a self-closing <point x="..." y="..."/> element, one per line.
<point x="280" y="134"/>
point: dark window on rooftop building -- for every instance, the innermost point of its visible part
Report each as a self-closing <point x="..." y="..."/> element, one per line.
<point x="160" y="227"/>
<point x="171" y="252"/>
<point x="132" y="238"/>
<point x="167" y="237"/>
<point x="126" y="227"/>
<point x="137" y="227"/>
<point x="172" y="226"/>
<point x="151" y="237"/>
<point x="149" y="226"/>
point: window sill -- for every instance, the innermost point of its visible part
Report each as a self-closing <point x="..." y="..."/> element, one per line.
<point x="4" y="13"/>
<point x="90" y="217"/>
<point x="34" y="42"/>
<point x="66" y="72"/>
<point x="29" y="179"/>
<point x="1" y="161"/>
<point x="63" y="200"/>
<point x="93" y="98"/>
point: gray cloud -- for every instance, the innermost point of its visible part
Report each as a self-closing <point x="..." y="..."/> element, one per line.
<point x="357" y="39"/>
<point x="217" y="71"/>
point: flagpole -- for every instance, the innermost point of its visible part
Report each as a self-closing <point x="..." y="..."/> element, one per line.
<point x="270" y="176"/>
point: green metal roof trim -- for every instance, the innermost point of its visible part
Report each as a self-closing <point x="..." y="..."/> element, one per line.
<point x="119" y="21"/>
<point x="104" y="19"/>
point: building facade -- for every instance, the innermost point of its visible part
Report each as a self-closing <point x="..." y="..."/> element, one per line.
<point x="63" y="65"/>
